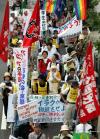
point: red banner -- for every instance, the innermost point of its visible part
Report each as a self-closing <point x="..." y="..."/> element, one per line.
<point x="4" y="35"/>
<point x="87" y="102"/>
<point x="33" y="30"/>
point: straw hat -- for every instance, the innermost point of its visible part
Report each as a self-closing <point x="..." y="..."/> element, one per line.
<point x="81" y="37"/>
<point x="64" y="128"/>
<point x="73" y="53"/>
<point x="69" y="59"/>
<point x="7" y="74"/>
<point x="35" y="75"/>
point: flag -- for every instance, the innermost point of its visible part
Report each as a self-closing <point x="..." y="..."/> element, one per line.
<point x="33" y="30"/>
<point x="81" y="136"/>
<point x="87" y="103"/>
<point x="80" y="9"/>
<point x="50" y="5"/>
<point x="4" y="35"/>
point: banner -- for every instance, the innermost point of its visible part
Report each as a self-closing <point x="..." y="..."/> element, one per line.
<point x="71" y="28"/>
<point x="4" y="35"/>
<point x="81" y="136"/>
<point x="27" y="110"/>
<point x="12" y="137"/>
<point x="21" y="70"/>
<point x="43" y="20"/>
<point x="43" y="109"/>
<point x="11" y="111"/>
<point x="50" y="109"/>
<point x="33" y="30"/>
<point x="87" y="103"/>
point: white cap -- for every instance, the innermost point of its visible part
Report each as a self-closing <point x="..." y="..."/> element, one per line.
<point x="64" y="127"/>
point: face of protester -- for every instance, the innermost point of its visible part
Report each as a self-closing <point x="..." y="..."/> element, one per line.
<point x="64" y="133"/>
<point x="7" y="78"/>
<point x="54" y="70"/>
<point x="53" y="58"/>
<point x="49" y="47"/>
<point x="45" y="55"/>
<point x="37" y="130"/>
<point x="72" y="73"/>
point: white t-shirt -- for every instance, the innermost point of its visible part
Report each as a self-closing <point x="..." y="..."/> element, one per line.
<point x="81" y="127"/>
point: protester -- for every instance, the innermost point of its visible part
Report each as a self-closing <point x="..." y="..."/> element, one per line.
<point x="37" y="133"/>
<point x="70" y="101"/>
<point x="64" y="133"/>
<point x="42" y="87"/>
<point x="43" y="63"/>
<point x="7" y="87"/>
<point x="53" y="79"/>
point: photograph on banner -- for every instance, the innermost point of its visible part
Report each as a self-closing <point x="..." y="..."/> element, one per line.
<point x="50" y="109"/>
<point x="21" y="71"/>
<point x="27" y="110"/>
<point x="71" y="28"/>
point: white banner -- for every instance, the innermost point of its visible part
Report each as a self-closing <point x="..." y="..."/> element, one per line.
<point x="43" y="109"/>
<point x="71" y="28"/>
<point x="10" y="112"/>
<point x="43" y="20"/>
<point x="21" y="67"/>
<point x="12" y="137"/>
<point x="27" y="110"/>
<point x="50" y="109"/>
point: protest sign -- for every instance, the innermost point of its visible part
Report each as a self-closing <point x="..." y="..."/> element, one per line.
<point x="21" y="70"/>
<point x="27" y="110"/>
<point x="10" y="112"/>
<point x="43" y="20"/>
<point x="12" y="137"/>
<point x="50" y="109"/>
<point x="71" y="28"/>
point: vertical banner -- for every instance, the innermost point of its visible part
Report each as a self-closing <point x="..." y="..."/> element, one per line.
<point x="87" y="104"/>
<point x="21" y="67"/>
<point x="43" y="20"/>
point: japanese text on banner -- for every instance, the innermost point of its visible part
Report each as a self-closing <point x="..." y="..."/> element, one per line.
<point x="21" y="68"/>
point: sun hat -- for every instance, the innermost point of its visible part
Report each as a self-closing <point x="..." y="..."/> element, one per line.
<point x="73" y="53"/>
<point x="64" y="128"/>
<point x="7" y="74"/>
<point x="69" y="59"/>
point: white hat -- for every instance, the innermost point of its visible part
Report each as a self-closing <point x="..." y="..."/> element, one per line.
<point x="73" y="53"/>
<point x="64" y="127"/>
<point x="7" y="74"/>
<point x="81" y="37"/>
<point x="35" y="75"/>
<point x="53" y="66"/>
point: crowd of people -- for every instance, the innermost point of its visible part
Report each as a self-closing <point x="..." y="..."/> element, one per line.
<point x="55" y="67"/>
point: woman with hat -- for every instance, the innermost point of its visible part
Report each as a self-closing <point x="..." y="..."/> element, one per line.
<point x="75" y="59"/>
<point x="6" y="87"/>
<point x="64" y="133"/>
